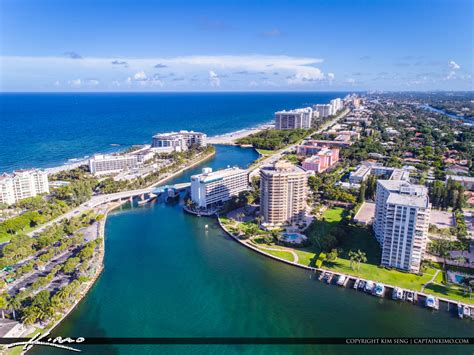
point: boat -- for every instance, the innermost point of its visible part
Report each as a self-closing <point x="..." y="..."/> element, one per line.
<point x="379" y="289"/>
<point x="431" y="302"/>
<point x="460" y="311"/>
<point x="410" y="297"/>
<point x="467" y="311"/>
<point x="356" y="284"/>
<point x="369" y="286"/>
<point x="341" y="280"/>
<point x="361" y="284"/>
<point x="397" y="293"/>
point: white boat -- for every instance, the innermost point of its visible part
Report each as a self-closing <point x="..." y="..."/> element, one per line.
<point x="361" y="284"/>
<point x="356" y="284"/>
<point x="431" y="302"/>
<point x="410" y="297"/>
<point x="460" y="311"/>
<point x="466" y="311"/>
<point x="379" y="290"/>
<point x="341" y="280"/>
<point x="369" y="286"/>
<point x="397" y="293"/>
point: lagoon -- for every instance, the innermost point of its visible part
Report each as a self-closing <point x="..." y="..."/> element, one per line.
<point x="166" y="275"/>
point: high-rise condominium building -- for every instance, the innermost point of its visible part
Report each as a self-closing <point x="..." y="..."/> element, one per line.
<point x="299" y="118"/>
<point x="22" y="184"/>
<point x="324" y="110"/>
<point x="213" y="187"/>
<point x="402" y="214"/>
<point x="336" y="104"/>
<point x="322" y="160"/>
<point x="178" y="141"/>
<point x="283" y="193"/>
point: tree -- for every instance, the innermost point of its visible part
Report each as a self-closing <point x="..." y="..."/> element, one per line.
<point x="3" y="305"/>
<point x="362" y="191"/>
<point x="14" y="304"/>
<point x="332" y="255"/>
<point x="352" y="258"/>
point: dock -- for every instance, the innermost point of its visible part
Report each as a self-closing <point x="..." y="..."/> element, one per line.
<point x="419" y="298"/>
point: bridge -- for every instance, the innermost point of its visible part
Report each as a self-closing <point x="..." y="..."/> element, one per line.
<point x="118" y="196"/>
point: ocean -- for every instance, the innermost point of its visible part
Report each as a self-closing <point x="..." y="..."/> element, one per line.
<point x="45" y="130"/>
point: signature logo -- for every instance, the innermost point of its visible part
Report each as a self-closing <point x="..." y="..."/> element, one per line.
<point x="40" y="339"/>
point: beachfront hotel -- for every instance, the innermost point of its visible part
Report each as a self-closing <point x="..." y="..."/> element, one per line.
<point x="212" y="187"/>
<point x="102" y="164"/>
<point x="322" y="160"/>
<point x="177" y="141"/>
<point x="22" y="184"/>
<point x="402" y="214"/>
<point x="283" y="193"/>
<point x="293" y="119"/>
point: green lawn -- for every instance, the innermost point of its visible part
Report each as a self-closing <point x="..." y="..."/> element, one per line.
<point x="265" y="151"/>
<point x="280" y="254"/>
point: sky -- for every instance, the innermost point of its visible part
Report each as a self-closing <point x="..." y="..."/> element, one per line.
<point x="317" y="45"/>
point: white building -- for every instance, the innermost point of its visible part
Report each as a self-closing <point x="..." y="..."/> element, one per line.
<point x="218" y="186"/>
<point x="324" y="110"/>
<point x="102" y="164"/>
<point x="336" y="104"/>
<point x="177" y="141"/>
<point x="402" y="214"/>
<point x="293" y="119"/>
<point x="22" y="184"/>
<point x="385" y="172"/>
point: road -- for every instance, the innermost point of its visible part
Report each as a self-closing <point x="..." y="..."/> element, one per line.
<point x="98" y="200"/>
<point x="277" y="156"/>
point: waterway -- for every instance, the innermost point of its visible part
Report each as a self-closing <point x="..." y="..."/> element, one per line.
<point x="451" y="115"/>
<point x="166" y="275"/>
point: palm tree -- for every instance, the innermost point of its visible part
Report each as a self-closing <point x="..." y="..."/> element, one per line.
<point x="353" y="258"/>
<point x="361" y="258"/>
<point x="3" y="305"/>
<point x="259" y="220"/>
<point x="14" y="304"/>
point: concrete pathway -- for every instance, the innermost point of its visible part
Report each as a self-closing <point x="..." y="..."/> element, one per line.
<point x="431" y="281"/>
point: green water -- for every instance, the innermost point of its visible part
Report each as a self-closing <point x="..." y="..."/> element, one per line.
<point x="167" y="276"/>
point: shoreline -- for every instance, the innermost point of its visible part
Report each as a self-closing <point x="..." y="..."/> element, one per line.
<point x="101" y="234"/>
<point x="322" y="270"/>
<point x="219" y="139"/>
<point x="231" y="137"/>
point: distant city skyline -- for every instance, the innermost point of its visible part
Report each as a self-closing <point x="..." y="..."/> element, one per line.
<point x="101" y="45"/>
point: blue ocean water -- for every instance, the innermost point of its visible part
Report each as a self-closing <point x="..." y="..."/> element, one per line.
<point x="44" y="130"/>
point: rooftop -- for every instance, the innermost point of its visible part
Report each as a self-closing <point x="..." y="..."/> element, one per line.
<point x="209" y="175"/>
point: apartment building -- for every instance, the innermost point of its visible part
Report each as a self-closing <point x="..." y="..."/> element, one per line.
<point x="322" y="160"/>
<point x="293" y="119"/>
<point x="363" y="171"/>
<point x="402" y="214"/>
<point x="22" y="184"/>
<point x="214" y="187"/>
<point x="283" y="193"/>
<point x="337" y="104"/>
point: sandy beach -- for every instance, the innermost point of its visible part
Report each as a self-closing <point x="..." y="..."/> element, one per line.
<point x="230" y="138"/>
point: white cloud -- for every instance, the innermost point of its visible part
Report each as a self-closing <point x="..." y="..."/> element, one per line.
<point x="140" y="76"/>
<point x="214" y="79"/>
<point x="351" y="81"/>
<point x="57" y="83"/>
<point x="305" y="75"/>
<point x="75" y="83"/>
<point x="331" y="76"/>
<point x="139" y="72"/>
<point x="453" y="65"/>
